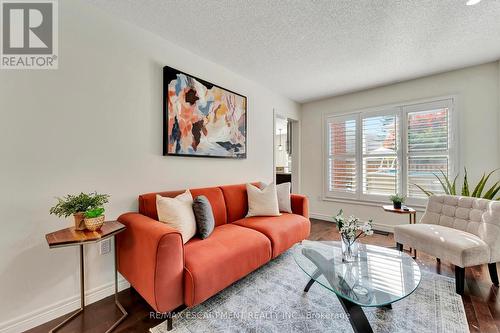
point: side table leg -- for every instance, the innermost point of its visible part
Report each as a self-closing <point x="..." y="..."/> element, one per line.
<point x="82" y="294"/>
<point x="117" y="302"/>
<point x="413" y="220"/>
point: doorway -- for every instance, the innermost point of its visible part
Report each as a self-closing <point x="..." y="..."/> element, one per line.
<point x="286" y="152"/>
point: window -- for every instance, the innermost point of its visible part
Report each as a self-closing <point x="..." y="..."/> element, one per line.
<point x="375" y="153"/>
<point x="428" y="149"/>
<point x="379" y="157"/>
<point x="342" y="155"/>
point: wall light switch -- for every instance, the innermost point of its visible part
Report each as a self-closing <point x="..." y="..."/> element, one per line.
<point x="105" y="246"/>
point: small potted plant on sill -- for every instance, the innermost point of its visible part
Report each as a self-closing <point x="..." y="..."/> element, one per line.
<point x="397" y="200"/>
<point x="94" y="218"/>
<point x="77" y="205"/>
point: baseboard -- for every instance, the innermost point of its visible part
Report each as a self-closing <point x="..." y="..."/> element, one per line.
<point x="376" y="226"/>
<point x="38" y="317"/>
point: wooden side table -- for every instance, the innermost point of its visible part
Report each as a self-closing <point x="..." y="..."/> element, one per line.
<point x="412" y="213"/>
<point x="71" y="237"/>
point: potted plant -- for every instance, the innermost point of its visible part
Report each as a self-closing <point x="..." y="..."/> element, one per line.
<point x="77" y="205"/>
<point x="350" y="230"/>
<point x="397" y="200"/>
<point x="94" y="218"/>
<point x="450" y="187"/>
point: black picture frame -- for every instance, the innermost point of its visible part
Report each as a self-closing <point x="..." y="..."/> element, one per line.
<point x="170" y="74"/>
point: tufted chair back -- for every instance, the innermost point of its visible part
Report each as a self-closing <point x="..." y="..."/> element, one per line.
<point x="480" y="217"/>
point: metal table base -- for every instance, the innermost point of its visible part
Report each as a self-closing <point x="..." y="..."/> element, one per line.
<point x="82" y="295"/>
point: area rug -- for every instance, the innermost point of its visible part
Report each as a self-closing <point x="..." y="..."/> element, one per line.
<point x="271" y="299"/>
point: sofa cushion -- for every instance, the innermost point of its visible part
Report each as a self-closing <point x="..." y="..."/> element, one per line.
<point x="147" y="202"/>
<point x="178" y="213"/>
<point x="456" y="246"/>
<point x="283" y="231"/>
<point x="236" y="201"/>
<point x="262" y="202"/>
<point x="284" y="199"/>
<point x="216" y="198"/>
<point x="212" y="264"/>
<point x="204" y="216"/>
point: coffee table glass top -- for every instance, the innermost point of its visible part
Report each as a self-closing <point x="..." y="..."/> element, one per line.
<point x="379" y="276"/>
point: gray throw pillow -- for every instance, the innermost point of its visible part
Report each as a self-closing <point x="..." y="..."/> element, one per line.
<point x="205" y="221"/>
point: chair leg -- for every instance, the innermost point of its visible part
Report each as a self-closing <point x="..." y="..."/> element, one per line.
<point x="493" y="273"/>
<point x="459" y="279"/>
<point x="399" y="246"/>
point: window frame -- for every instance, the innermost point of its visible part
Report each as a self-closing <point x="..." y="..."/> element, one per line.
<point x="401" y="111"/>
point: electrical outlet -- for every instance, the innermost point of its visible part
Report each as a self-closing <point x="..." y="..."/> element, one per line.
<point x="105" y="246"/>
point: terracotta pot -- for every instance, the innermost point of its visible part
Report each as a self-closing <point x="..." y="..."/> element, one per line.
<point x="94" y="223"/>
<point x="79" y="223"/>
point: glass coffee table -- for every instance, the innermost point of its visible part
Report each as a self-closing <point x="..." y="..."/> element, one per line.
<point x="378" y="278"/>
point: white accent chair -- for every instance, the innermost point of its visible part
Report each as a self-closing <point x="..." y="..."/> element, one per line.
<point x="462" y="230"/>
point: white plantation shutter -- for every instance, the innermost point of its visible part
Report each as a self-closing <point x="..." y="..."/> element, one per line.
<point x="428" y="146"/>
<point x="341" y="146"/>
<point x="373" y="154"/>
<point x="380" y="160"/>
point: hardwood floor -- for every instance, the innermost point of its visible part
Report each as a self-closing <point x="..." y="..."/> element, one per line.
<point x="481" y="300"/>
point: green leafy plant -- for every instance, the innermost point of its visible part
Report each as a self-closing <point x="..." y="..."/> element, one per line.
<point x="449" y="187"/>
<point x="92" y="213"/>
<point x="71" y="204"/>
<point x="397" y="198"/>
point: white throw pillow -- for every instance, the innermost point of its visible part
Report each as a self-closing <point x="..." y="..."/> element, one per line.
<point x="284" y="199"/>
<point x="262" y="202"/>
<point x="178" y="213"/>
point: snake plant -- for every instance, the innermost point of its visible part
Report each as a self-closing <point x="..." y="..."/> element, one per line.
<point x="450" y="187"/>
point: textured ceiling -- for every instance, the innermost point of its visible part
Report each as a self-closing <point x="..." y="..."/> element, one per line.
<point x="309" y="49"/>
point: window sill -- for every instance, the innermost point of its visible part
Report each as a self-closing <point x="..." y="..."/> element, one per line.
<point x="373" y="203"/>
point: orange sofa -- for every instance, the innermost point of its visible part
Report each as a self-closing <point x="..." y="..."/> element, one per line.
<point x="169" y="275"/>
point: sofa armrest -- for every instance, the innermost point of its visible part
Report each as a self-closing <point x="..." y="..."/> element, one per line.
<point x="300" y="205"/>
<point x="151" y="258"/>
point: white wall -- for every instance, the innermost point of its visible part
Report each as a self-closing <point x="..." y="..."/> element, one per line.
<point x="477" y="89"/>
<point x="96" y="124"/>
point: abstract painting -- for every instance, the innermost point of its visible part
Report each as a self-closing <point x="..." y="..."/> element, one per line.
<point x="202" y="119"/>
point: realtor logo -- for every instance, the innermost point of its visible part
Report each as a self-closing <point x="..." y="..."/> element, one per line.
<point x="29" y="34"/>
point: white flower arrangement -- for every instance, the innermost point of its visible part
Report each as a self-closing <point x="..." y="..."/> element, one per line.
<point x="351" y="229"/>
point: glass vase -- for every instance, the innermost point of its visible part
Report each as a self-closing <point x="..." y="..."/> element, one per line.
<point x="349" y="249"/>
